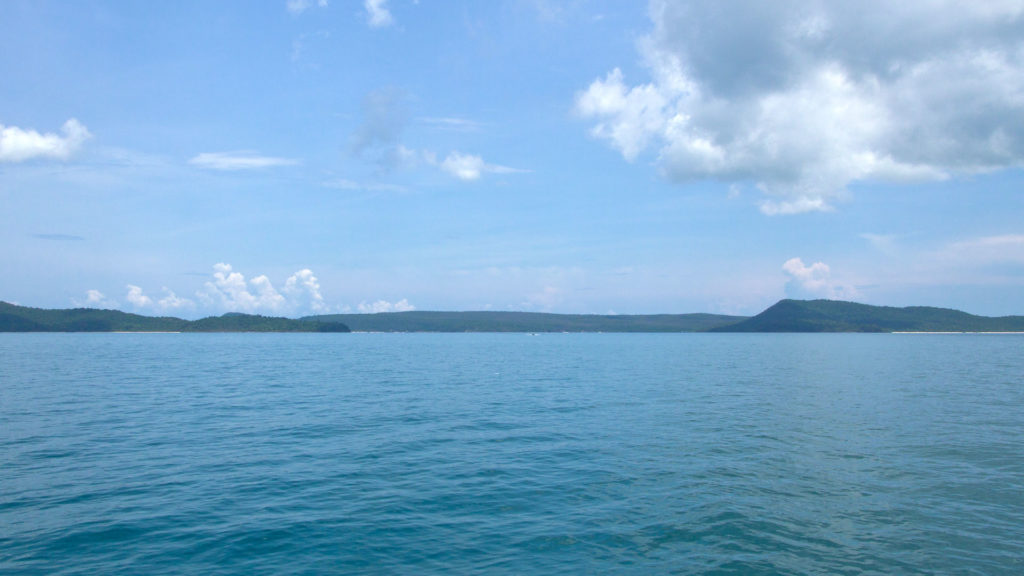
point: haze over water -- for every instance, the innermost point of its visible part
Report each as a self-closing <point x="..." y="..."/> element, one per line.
<point x="511" y="454"/>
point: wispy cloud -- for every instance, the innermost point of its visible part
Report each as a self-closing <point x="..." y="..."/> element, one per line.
<point x="302" y="43"/>
<point x="242" y="160"/>
<point x="18" y="144"/>
<point x="172" y="301"/>
<point x="379" y="306"/>
<point x="468" y="167"/>
<point x="451" y="123"/>
<point x="1004" y="248"/>
<point x="300" y="6"/>
<point x="377" y="13"/>
<point x="384" y="118"/>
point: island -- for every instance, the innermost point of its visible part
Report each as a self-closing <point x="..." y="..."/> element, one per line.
<point x="840" y="316"/>
<point x="24" y="319"/>
<point x="783" y="316"/>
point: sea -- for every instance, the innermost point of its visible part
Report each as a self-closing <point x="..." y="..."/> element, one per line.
<point x="511" y="454"/>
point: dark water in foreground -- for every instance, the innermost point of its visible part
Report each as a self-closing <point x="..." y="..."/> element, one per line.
<point x="511" y="454"/>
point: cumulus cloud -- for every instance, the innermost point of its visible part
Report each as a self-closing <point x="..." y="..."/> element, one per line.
<point x="304" y="285"/>
<point x="814" y="281"/>
<point x="379" y="306"/>
<point x="94" y="296"/>
<point x="300" y="6"/>
<point x="228" y="290"/>
<point x="377" y="13"/>
<point x="95" y="299"/>
<point x="136" y="298"/>
<point x="244" y="160"/>
<point x="804" y="98"/>
<point x="172" y="301"/>
<point x="469" y="167"/>
<point x="19" y="145"/>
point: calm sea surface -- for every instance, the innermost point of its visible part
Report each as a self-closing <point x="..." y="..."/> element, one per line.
<point x="511" y="454"/>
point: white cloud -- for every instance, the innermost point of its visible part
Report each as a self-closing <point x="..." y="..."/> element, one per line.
<point x="463" y="166"/>
<point x="300" y="6"/>
<point x="244" y="160"/>
<point x="469" y="167"/>
<point x="803" y="99"/>
<point x="136" y="298"/>
<point x="18" y="145"/>
<point x="379" y="306"/>
<point x="229" y="291"/>
<point x="814" y="281"/>
<point x="379" y="138"/>
<point x="95" y="299"/>
<point x="377" y="13"/>
<point x="451" y="123"/>
<point x="303" y="284"/>
<point x="882" y="242"/>
<point x="172" y="301"/>
<point x="986" y="250"/>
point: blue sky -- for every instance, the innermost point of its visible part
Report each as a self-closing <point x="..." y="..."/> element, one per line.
<point x="292" y="157"/>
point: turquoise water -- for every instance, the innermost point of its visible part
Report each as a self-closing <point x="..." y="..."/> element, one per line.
<point x="511" y="454"/>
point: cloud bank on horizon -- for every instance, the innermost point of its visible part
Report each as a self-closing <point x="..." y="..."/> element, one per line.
<point x="229" y="291"/>
<point x="803" y="99"/>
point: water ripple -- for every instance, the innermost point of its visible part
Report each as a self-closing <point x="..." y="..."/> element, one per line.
<point x="504" y="454"/>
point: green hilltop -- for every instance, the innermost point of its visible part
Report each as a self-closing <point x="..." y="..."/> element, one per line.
<point x="839" y="316"/>
<point x="784" y="316"/>
<point x="23" y="319"/>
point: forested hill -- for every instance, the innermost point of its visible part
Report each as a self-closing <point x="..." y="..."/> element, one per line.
<point x="23" y="319"/>
<point x="488" y="321"/>
<point x="839" y="316"/>
<point x="784" y="316"/>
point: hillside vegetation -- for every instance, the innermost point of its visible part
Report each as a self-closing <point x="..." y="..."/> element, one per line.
<point x="525" y="322"/>
<point x="839" y="316"/>
<point x="784" y="316"/>
<point x="23" y="319"/>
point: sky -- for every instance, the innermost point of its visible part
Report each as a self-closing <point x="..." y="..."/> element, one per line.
<point x="294" y="157"/>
